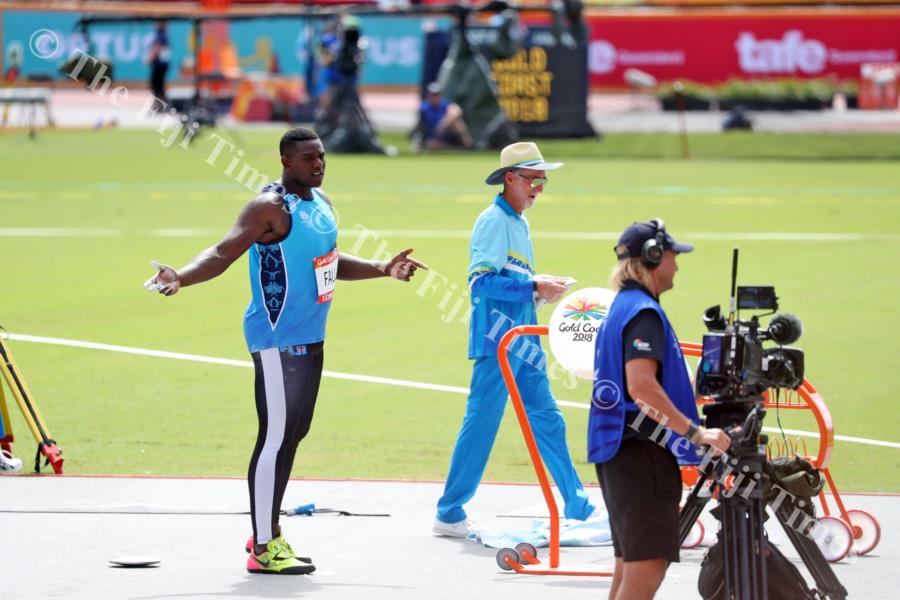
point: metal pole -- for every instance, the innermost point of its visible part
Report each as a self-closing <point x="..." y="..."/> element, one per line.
<point x="678" y="87"/>
<point x="522" y="416"/>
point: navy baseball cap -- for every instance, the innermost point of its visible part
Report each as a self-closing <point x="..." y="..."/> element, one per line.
<point x="632" y="241"/>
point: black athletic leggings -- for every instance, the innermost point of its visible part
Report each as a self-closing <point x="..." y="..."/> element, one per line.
<point x="287" y="383"/>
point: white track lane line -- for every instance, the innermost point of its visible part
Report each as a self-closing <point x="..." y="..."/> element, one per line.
<point x="19" y="337"/>
<point x="57" y="232"/>
<point x="751" y="236"/>
<point x="227" y="361"/>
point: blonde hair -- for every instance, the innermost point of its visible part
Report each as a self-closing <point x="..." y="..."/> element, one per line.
<point x="630" y="268"/>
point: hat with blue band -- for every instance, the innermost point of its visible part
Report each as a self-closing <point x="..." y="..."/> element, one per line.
<point x="521" y="155"/>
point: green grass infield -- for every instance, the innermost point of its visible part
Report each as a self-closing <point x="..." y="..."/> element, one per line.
<point x="816" y="216"/>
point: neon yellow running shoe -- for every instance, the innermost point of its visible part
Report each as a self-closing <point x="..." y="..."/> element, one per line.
<point x="248" y="548"/>
<point x="277" y="560"/>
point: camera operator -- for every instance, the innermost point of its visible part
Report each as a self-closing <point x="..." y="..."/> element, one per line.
<point x="341" y="55"/>
<point x="641" y="384"/>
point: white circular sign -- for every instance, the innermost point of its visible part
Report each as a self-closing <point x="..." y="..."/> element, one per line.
<point x="573" y="329"/>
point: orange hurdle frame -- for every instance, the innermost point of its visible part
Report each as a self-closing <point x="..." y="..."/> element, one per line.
<point x="534" y="566"/>
<point x="858" y="522"/>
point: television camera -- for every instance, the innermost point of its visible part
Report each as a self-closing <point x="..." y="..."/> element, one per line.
<point x="735" y="371"/>
<point x="735" y="364"/>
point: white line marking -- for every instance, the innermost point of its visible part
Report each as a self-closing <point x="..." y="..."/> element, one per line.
<point x="184" y="232"/>
<point x="812" y="434"/>
<point x="56" y="232"/>
<point x="449" y="234"/>
<point x="227" y="361"/>
<point x="233" y="189"/>
<point x="573" y="404"/>
<point x="843" y="438"/>
<point x="19" y="337"/>
<point x="767" y="236"/>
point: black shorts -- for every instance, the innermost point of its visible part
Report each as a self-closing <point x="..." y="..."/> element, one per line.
<point x="641" y="487"/>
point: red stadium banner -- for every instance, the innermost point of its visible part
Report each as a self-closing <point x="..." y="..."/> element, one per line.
<point x="712" y="47"/>
<point x="216" y="5"/>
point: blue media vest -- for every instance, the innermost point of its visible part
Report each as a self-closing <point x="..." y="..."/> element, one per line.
<point x="608" y="400"/>
<point x="292" y="281"/>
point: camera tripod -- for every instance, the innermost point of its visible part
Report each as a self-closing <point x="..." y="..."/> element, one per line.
<point x="742" y="512"/>
<point x="344" y="125"/>
<point x="22" y="395"/>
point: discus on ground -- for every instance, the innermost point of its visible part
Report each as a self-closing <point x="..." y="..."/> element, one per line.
<point x="135" y="562"/>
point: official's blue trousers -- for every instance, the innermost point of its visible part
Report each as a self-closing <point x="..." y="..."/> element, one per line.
<point x="484" y="410"/>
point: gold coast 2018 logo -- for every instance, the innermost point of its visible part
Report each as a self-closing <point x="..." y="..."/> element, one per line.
<point x="585" y="309"/>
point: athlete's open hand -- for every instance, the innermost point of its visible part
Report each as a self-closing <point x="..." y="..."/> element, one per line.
<point x="403" y="267"/>
<point x="165" y="281"/>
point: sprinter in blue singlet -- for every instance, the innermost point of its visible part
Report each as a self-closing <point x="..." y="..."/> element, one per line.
<point x="291" y="233"/>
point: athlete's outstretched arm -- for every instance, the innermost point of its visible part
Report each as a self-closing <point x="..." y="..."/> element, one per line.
<point x="256" y="219"/>
<point x="354" y="268"/>
<point x="400" y="267"/>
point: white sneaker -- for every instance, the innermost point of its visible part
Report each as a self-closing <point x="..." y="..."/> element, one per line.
<point x="459" y="529"/>
<point x="9" y="463"/>
<point x="598" y="513"/>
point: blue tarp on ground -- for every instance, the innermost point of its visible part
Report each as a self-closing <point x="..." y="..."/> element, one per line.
<point x="592" y="532"/>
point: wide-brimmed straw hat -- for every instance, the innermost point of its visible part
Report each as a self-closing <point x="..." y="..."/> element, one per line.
<point x="521" y="155"/>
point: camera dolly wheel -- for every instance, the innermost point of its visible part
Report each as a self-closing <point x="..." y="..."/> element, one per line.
<point x="505" y="557"/>
<point x="695" y="536"/>
<point x="865" y="530"/>
<point x="833" y="537"/>
<point x="527" y="553"/>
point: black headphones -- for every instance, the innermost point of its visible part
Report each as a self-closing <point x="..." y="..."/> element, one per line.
<point x="652" y="250"/>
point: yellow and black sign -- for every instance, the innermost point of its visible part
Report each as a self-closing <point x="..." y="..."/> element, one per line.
<point x="543" y="87"/>
<point x="525" y="85"/>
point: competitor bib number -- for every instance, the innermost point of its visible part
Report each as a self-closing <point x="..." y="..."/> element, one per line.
<point x="326" y="275"/>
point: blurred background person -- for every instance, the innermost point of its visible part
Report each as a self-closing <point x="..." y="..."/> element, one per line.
<point x="158" y="58"/>
<point x="441" y="124"/>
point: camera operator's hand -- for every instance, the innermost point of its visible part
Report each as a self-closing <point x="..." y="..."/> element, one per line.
<point x="550" y="290"/>
<point x="717" y="440"/>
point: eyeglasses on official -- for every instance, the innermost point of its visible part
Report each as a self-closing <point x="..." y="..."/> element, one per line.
<point x="535" y="182"/>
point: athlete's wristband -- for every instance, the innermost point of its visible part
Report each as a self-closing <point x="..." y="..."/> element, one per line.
<point x="692" y="432"/>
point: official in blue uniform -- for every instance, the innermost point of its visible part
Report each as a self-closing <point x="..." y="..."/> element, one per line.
<point x="503" y="291"/>
<point x="291" y="233"/>
<point x="643" y="418"/>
